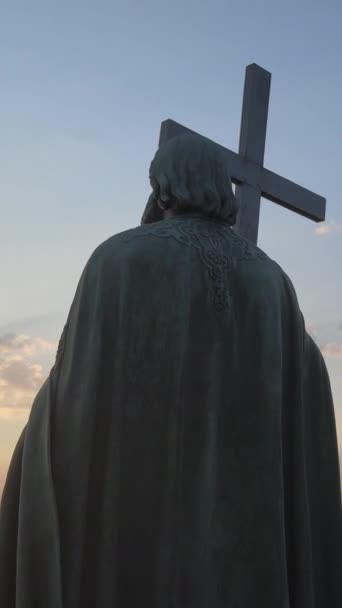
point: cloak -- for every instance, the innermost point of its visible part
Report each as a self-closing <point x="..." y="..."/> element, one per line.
<point x="182" y="452"/>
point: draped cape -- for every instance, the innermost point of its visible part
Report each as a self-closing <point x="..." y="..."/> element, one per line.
<point x="182" y="452"/>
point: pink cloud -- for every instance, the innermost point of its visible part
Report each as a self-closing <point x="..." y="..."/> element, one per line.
<point x="328" y="228"/>
<point x="332" y="350"/>
<point x="311" y="329"/>
<point x="21" y="374"/>
<point x="10" y="343"/>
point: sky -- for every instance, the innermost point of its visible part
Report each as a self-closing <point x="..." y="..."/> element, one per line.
<point x="84" y="88"/>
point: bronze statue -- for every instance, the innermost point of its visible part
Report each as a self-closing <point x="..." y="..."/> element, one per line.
<point x="183" y="450"/>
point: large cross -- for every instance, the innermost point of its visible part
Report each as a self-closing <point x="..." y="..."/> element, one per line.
<point x="246" y="168"/>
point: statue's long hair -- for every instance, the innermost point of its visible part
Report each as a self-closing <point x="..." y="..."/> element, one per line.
<point x="190" y="174"/>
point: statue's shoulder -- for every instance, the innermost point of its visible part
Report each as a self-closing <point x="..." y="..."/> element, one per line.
<point x="115" y="243"/>
<point x="216" y="243"/>
<point x="127" y="244"/>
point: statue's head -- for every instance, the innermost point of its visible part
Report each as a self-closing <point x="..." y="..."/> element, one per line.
<point x="189" y="174"/>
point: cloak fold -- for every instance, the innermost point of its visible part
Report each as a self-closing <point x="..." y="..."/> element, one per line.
<point x="183" y="451"/>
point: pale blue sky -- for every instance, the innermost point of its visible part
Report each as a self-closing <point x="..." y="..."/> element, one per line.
<point x="84" y="87"/>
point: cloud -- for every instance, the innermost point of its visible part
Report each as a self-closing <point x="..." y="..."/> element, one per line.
<point x="10" y="343"/>
<point x="311" y="329"/>
<point x="38" y="324"/>
<point x="328" y="228"/>
<point x="332" y="350"/>
<point x="21" y="372"/>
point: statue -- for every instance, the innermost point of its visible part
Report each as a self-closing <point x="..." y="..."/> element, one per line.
<point x="183" y="450"/>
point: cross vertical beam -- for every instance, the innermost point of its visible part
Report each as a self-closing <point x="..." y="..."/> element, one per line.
<point x="252" y="148"/>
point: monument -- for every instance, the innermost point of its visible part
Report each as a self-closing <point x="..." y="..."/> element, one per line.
<point x="183" y="450"/>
